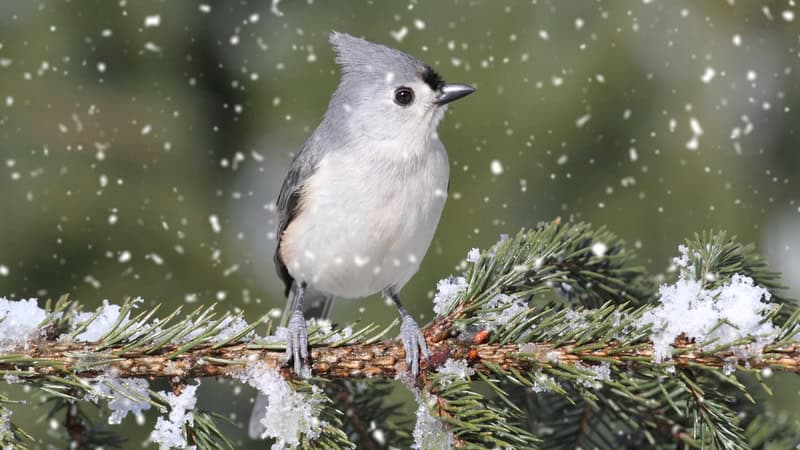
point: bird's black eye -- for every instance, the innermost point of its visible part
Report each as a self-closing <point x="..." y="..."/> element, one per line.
<point x="403" y="96"/>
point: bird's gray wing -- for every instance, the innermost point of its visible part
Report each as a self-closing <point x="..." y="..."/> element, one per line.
<point x="288" y="203"/>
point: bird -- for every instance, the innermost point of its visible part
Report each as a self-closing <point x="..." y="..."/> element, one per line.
<point x="362" y="198"/>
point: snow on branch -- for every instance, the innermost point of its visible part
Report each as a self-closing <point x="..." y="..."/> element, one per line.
<point x="559" y="309"/>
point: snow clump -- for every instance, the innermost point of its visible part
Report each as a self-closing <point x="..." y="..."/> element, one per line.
<point x="447" y="292"/>
<point x="501" y="309"/>
<point x="429" y="434"/>
<point x="724" y="314"/>
<point x="168" y="433"/>
<point x="19" y="321"/>
<point x="289" y="416"/>
<point x="474" y="255"/>
<point x="107" y="317"/>
<point x="455" y="369"/>
<point x="125" y="395"/>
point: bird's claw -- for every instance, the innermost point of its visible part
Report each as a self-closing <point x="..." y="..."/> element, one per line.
<point x="414" y="344"/>
<point x="297" y="343"/>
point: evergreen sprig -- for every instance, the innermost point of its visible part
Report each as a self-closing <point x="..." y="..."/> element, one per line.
<point x="548" y="325"/>
<point x="544" y="266"/>
<point x="476" y="423"/>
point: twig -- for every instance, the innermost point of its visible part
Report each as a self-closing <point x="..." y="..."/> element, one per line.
<point x="75" y="427"/>
<point x="350" y="411"/>
<point x="585" y="417"/>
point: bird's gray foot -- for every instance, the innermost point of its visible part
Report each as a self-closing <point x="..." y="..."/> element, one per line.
<point x="414" y="343"/>
<point x="297" y="343"/>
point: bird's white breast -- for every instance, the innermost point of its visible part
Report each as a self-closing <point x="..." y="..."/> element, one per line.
<point x="366" y="219"/>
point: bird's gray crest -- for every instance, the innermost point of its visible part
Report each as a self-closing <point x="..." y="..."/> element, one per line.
<point x="357" y="55"/>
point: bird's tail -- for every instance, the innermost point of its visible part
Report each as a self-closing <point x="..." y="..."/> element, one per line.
<point x="316" y="305"/>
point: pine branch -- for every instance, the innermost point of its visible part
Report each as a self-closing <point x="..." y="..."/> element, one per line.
<point x="559" y="308"/>
<point x="370" y="419"/>
<point x="75" y="428"/>
<point x="378" y="360"/>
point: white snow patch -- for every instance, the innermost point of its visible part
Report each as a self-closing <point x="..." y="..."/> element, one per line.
<point x="528" y="347"/>
<point x="601" y="372"/>
<point x="733" y="311"/>
<point x="729" y="367"/>
<point x="289" y="415"/>
<point x="101" y="325"/>
<point x="168" y="433"/>
<point x="326" y="327"/>
<point x="5" y="422"/>
<point x="474" y="255"/>
<point x="543" y="383"/>
<point x="447" y="291"/>
<point x="228" y="328"/>
<point x="455" y="369"/>
<point x="281" y="335"/>
<point x="683" y="259"/>
<point x="429" y="434"/>
<point x="504" y="308"/>
<point x="19" y="321"/>
<point x="553" y="356"/>
<point x="125" y="395"/>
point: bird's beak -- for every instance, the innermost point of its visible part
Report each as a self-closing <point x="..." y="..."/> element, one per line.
<point x="451" y="92"/>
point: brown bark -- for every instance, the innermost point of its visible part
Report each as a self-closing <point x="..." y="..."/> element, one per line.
<point x="75" y="428"/>
<point x="379" y="360"/>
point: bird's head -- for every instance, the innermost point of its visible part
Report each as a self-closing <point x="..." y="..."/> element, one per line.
<point x="386" y="94"/>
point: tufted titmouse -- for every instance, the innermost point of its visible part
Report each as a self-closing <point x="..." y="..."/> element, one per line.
<point x="363" y="197"/>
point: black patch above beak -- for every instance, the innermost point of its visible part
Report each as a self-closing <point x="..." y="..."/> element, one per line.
<point x="451" y="92"/>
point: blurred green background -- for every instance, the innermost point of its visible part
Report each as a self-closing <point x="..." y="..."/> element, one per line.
<point x="143" y="142"/>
